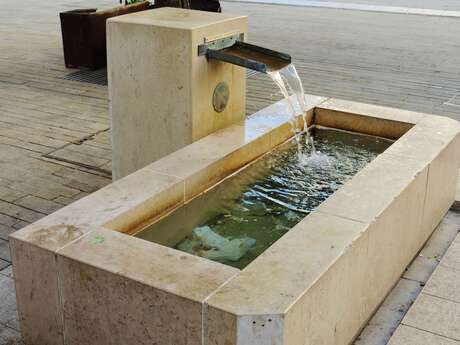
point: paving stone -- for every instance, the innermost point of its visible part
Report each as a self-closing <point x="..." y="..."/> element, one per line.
<point x="5" y="251"/>
<point x="44" y="188"/>
<point x="38" y="204"/>
<point x="424" y="264"/>
<point x="389" y="315"/>
<point x="19" y="212"/>
<point x="78" y="157"/>
<point x="435" y="315"/>
<point x="8" y="309"/>
<point x="444" y="283"/>
<point x="405" y="335"/>
<point x="9" y="336"/>
<point x="19" y="225"/>
<point x="8" y="194"/>
<point x="7" y="220"/>
<point x="4" y="264"/>
<point x="452" y="257"/>
<point x="92" y="180"/>
<point x="93" y="151"/>
<point x="5" y="231"/>
<point x="63" y="200"/>
<point x="8" y="271"/>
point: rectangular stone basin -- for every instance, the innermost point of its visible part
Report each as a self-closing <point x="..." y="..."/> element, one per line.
<point x="82" y="278"/>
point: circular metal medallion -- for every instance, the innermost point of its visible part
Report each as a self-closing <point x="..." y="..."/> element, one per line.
<point x="220" y="97"/>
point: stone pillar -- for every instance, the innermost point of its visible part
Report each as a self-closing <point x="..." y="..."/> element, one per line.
<point x="160" y="89"/>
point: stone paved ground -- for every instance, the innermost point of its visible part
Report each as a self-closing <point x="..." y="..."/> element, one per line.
<point x="54" y="139"/>
<point x="434" y="317"/>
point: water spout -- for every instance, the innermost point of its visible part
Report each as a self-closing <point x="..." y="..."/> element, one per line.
<point x="236" y="52"/>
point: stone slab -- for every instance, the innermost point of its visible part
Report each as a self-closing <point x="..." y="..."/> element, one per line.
<point x="405" y="335"/>
<point x="328" y="235"/>
<point x="113" y="309"/>
<point x="8" y="271"/>
<point x="4" y="264"/>
<point x="384" y="122"/>
<point x="444" y="283"/>
<point x="149" y="263"/>
<point x="435" y="315"/>
<point x="37" y="295"/>
<point x="428" y="259"/>
<point x="168" y="102"/>
<point x="115" y="200"/>
<point x="144" y="291"/>
<point x="452" y="258"/>
<point x="386" y="320"/>
<point x="8" y="309"/>
<point x="4" y="251"/>
<point x="9" y="336"/>
<point x="373" y="188"/>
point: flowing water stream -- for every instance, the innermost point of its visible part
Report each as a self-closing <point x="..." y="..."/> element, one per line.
<point x="288" y="81"/>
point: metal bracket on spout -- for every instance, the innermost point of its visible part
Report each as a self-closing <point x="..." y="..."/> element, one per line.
<point x="219" y="43"/>
<point x="232" y="50"/>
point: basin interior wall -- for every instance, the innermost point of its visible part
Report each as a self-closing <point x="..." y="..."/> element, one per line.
<point x="81" y="277"/>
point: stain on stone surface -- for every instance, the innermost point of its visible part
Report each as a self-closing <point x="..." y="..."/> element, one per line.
<point x="96" y="239"/>
<point x="55" y="236"/>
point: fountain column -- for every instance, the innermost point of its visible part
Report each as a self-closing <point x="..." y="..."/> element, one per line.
<point x="163" y="94"/>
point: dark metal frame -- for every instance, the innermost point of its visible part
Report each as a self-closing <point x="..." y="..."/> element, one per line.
<point x="220" y="54"/>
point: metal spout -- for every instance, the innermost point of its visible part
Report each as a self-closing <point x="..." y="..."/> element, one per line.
<point x="232" y="50"/>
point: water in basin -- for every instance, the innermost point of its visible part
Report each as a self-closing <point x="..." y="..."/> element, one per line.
<point x="241" y="217"/>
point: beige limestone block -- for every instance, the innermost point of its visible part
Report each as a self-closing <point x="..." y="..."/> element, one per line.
<point x="219" y="327"/>
<point x="442" y="180"/>
<point x="105" y="308"/>
<point x="318" y="245"/>
<point x="333" y="310"/>
<point x="390" y="195"/>
<point x="117" y="289"/>
<point x="160" y="90"/>
<point x="405" y="335"/>
<point x="427" y="139"/>
<point x="121" y="205"/>
<point x="373" y="110"/>
<point x="36" y="282"/>
<point x="366" y="118"/>
<point x="33" y="247"/>
<point x="395" y="238"/>
<point x="372" y="189"/>
<point x="434" y="141"/>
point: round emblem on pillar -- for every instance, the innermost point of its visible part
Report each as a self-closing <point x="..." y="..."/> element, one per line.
<point x="220" y="97"/>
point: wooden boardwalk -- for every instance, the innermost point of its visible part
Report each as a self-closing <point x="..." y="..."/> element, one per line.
<point x="54" y="131"/>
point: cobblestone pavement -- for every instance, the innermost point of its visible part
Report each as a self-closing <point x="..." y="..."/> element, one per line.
<point x="54" y="129"/>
